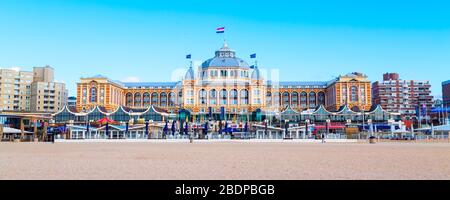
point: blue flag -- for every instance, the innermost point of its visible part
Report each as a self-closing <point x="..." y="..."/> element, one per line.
<point x="424" y="110"/>
<point x="253" y="55"/>
<point x="189" y="56"/>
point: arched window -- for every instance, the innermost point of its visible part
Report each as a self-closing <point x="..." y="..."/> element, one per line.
<point x="321" y="98"/>
<point x="354" y="94"/>
<point x="203" y="97"/>
<point x="223" y="97"/>
<point x="137" y="100"/>
<point x="163" y="99"/>
<point x="155" y="99"/>
<point x="294" y="100"/>
<point x="129" y="99"/>
<point x="285" y="99"/>
<point x="312" y="100"/>
<point x="244" y="97"/>
<point x="269" y="99"/>
<point x="276" y="99"/>
<point x="234" y="97"/>
<point x="180" y="96"/>
<point x="147" y="102"/>
<point x="303" y="100"/>
<point x="172" y="99"/>
<point x="213" y="97"/>
<point x="94" y="94"/>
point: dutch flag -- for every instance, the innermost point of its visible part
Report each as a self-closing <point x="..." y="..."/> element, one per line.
<point x="220" y="30"/>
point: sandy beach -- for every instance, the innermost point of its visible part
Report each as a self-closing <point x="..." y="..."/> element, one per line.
<point x="225" y="161"/>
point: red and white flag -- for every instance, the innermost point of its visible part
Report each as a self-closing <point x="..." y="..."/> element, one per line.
<point x="220" y="30"/>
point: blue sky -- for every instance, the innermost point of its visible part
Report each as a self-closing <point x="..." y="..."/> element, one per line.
<point x="305" y="40"/>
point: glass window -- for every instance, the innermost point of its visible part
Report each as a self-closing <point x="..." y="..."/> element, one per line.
<point x="147" y="102"/>
<point x="363" y="95"/>
<point x="303" y="99"/>
<point x="244" y="97"/>
<point x="202" y="97"/>
<point x="172" y="99"/>
<point x="285" y="99"/>
<point x="312" y="100"/>
<point x="93" y="94"/>
<point x="223" y="73"/>
<point x="155" y="99"/>
<point x="223" y="97"/>
<point x="354" y="94"/>
<point x="234" y="97"/>
<point x="321" y="98"/>
<point x="129" y="99"/>
<point x="294" y="99"/>
<point x="163" y="99"/>
<point x="269" y="99"/>
<point x="213" y="97"/>
<point x="137" y="99"/>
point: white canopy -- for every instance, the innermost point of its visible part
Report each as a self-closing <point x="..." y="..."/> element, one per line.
<point x="8" y="130"/>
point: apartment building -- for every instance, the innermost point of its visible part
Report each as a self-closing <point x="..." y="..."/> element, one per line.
<point x="408" y="97"/>
<point x="15" y="89"/>
<point x="34" y="91"/>
<point x="446" y="93"/>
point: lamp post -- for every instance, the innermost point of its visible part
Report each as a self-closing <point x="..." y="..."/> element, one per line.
<point x="327" y="131"/>
<point x="307" y="121"/>
<point x="266" y="121"/>
<point x="363" y="118"/>
<point x="369" y="122"/>
<point x="286" y="126"/>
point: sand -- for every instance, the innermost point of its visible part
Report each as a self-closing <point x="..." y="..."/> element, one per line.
<point x="254" y="161"/>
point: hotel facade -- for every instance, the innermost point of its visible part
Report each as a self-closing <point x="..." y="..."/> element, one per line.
<point x="226" y="83"/>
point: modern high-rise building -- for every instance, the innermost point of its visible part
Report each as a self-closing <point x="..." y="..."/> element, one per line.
<point x="408" y="97"/>
<point x="31" y="91"/>
<point x="446" y="93"/>
<point x="48" y="96"/>
<point x="15" y="89"/>
<point x="43" y="74"/>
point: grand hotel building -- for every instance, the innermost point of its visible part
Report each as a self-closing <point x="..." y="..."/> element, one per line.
<point x="225" y="82"/>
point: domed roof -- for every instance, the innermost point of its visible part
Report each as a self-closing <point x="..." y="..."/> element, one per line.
<point x="256" y="75"/>
<point x="189" y="74"/>
<point x="225" y="62"/>
<point x="225" y="57"/>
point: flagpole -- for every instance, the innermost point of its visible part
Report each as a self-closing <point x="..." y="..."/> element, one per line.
<point x="224" y="36"/>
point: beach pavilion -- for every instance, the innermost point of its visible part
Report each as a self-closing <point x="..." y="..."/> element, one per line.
<point x="126" y="123"/>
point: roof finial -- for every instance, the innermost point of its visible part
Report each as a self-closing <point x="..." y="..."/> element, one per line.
<point x="225" y="44"/>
